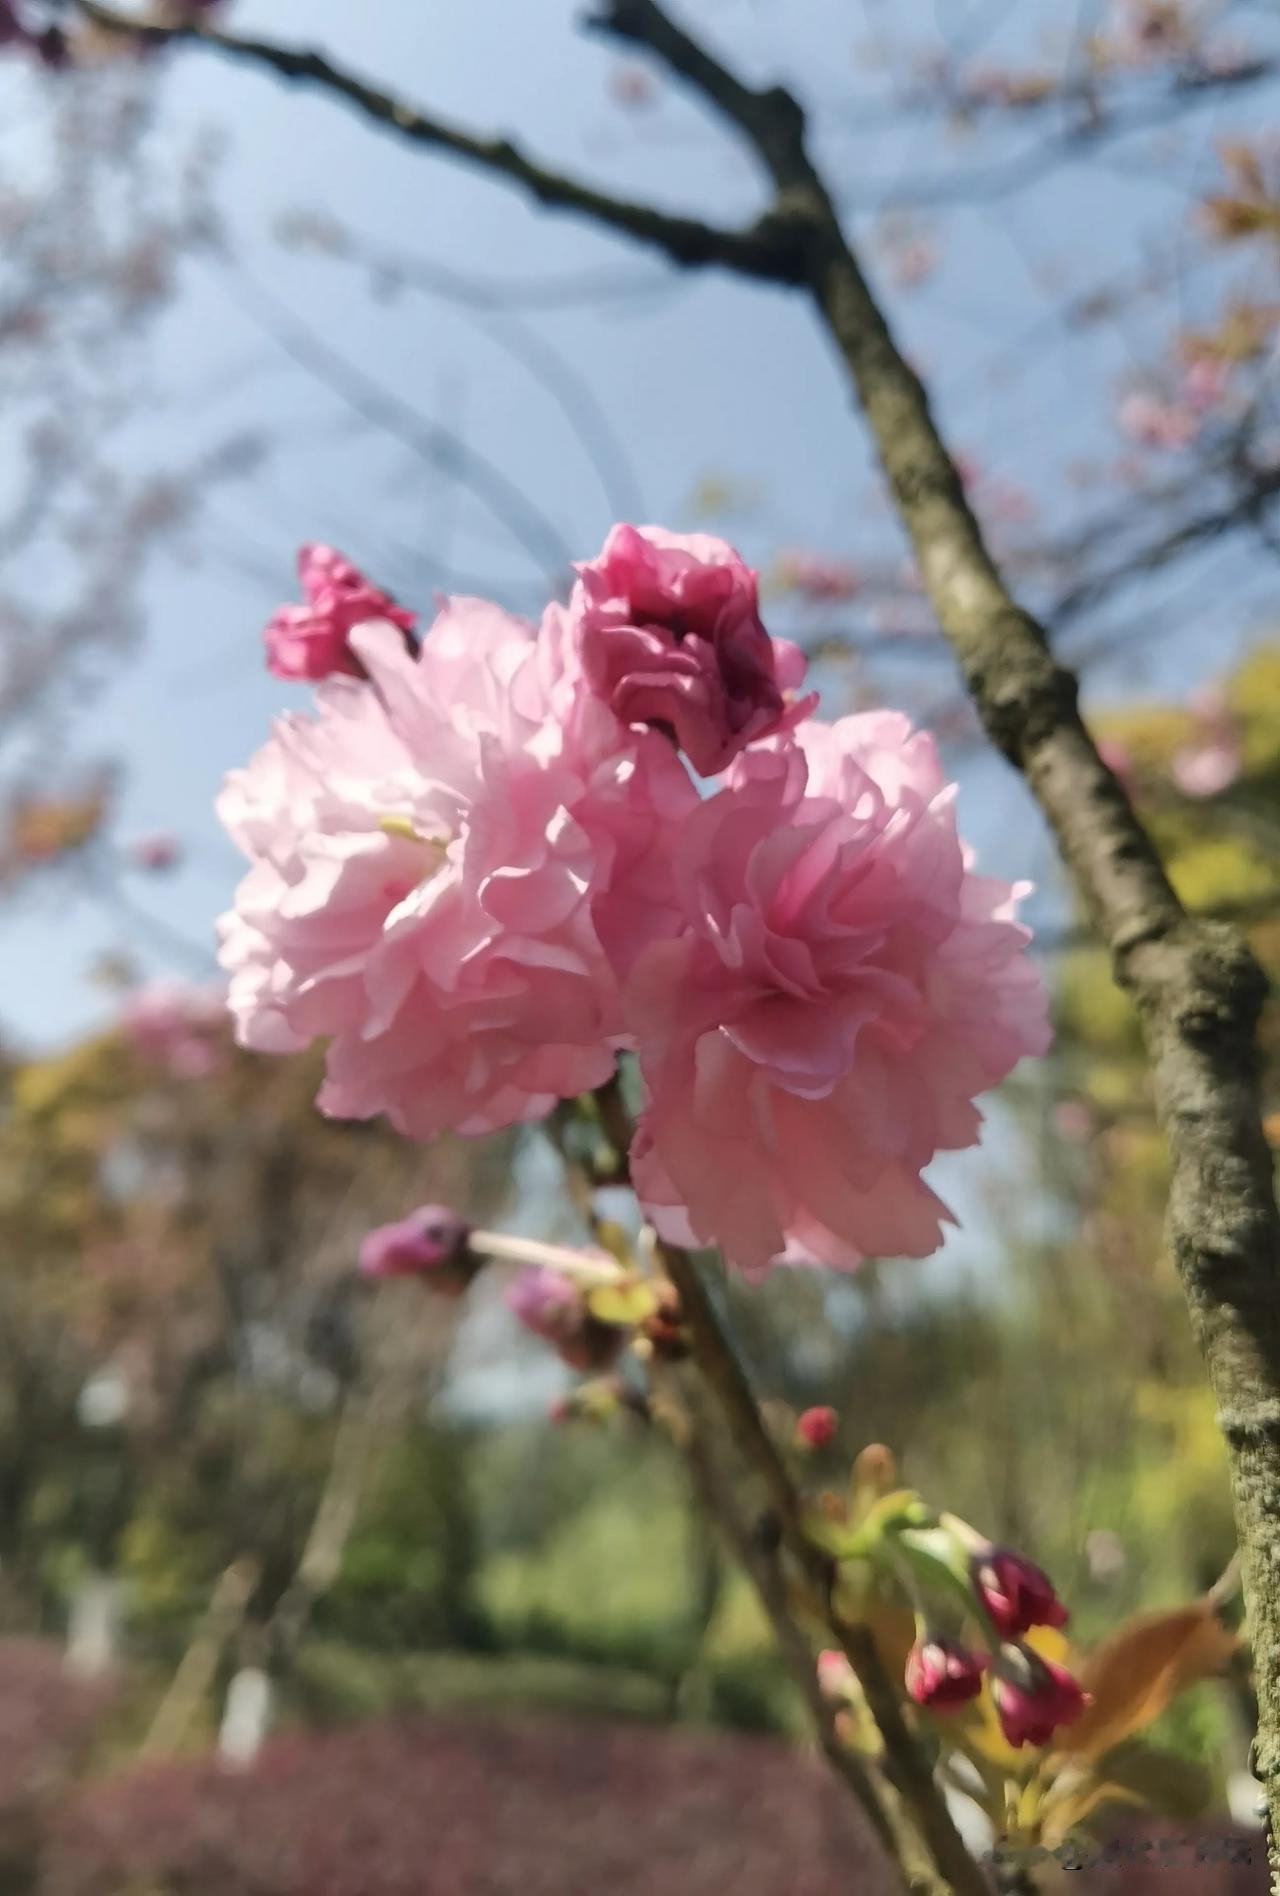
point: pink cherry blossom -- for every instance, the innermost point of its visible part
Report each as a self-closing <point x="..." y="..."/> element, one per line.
<point x="1206" y="770"/>
<point x="671" y="637"/>
<point x="313" y="641"/>
<point x="430" y="853"/>
<point x="1156" y="423"/>
<point x="844" y="987"/>
<point x="177" y="1025"/>
<point x="819" y="577"/>
<point x="551" y="1307"/>
<point x="1205" y="383"/>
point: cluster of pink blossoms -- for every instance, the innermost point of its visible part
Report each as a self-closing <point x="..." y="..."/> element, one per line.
<point x="482" y="869"/>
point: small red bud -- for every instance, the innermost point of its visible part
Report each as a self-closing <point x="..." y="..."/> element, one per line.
<point x="1033" y="1696"/>
<point x="816" y="1428"/>
<point x="1015" y="1592"/>
<point x="941" y="1673"/>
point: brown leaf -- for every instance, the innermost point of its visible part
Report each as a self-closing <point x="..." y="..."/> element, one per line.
<point x="1133" y="1675"/>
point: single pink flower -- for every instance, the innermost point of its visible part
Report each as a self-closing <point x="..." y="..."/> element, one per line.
<point x="1205" y="383"/>
<point x="1033" y="1696"/>
<point x="1015" y="1592"/>
<point x="430" y="1243"/>
<point x="177" y="1025"/>
<point x="1156" y="423"/>
<point x="432" y="852"/>
<point x="942" y="1673"/>
<point x="671" y="637"/>
<point x="817" y="1428"/>
<point x="836" y="1680"/>
<point x="819" y="577"/>
<point x="844" y="987"/>
<point x="551" y="1307"/>
<point x="1206" y="770"/>
<point x="313" y="641"/>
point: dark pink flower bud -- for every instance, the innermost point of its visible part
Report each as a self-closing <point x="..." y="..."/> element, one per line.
<point x="312" y="641"/>
<point x="1033" y="1696"/>
<point x="941" y="1672"/>
<point x="430" y="1243"/>
<point x="816" y="1428"/>
<point x="549" y="1305"/>
<point x="1015" y="1592"/>
<point x="672" y="638"/>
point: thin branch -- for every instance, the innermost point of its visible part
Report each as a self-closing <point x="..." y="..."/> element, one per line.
<point x="766" y="1576"/>
<point x="905" y="1764"/>
<point x="359" y="1426"/>
<point x="1198" y="991"/>
<point x="196" y="1672"/>
<point x="687" y="241"/>
<point x="907" y="1836"/>
<point x="545" y="365"/>
<point x="438" y="446"/>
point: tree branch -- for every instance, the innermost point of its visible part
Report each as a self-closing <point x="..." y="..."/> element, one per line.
<point x="770" y="1584"/>
<point x="905" y="1764"/>
<point x="1197" y="989"/>
<point x="759" y="250"/>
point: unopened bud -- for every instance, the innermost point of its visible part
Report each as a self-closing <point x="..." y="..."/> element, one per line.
<point x="942" y="1673"/>
<point x="430" y="1243"/>
<point x="816" y="1428"/>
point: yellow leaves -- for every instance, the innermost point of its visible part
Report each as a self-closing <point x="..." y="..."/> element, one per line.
<point x="87" y="1077"/>
<point x="41" y="829"/>
<point x="1133" y="1676"/>
<point x="1213" y="869"/>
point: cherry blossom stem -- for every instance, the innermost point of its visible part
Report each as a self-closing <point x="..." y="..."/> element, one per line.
<point x="883" y="1807"/>
<point x="1197" y="989"/>
<point x="905" y="1764"/>
<point x="760" y="1564"/>
<point x="504" y="1247"/>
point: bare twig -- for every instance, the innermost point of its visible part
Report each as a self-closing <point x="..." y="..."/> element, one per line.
<point x="194" y="1677"/>
<point x="359" y="1426"/>
<point x="1197" y="989"/>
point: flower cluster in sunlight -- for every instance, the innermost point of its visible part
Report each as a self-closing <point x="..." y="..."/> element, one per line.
<point x="484" y="868"/>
